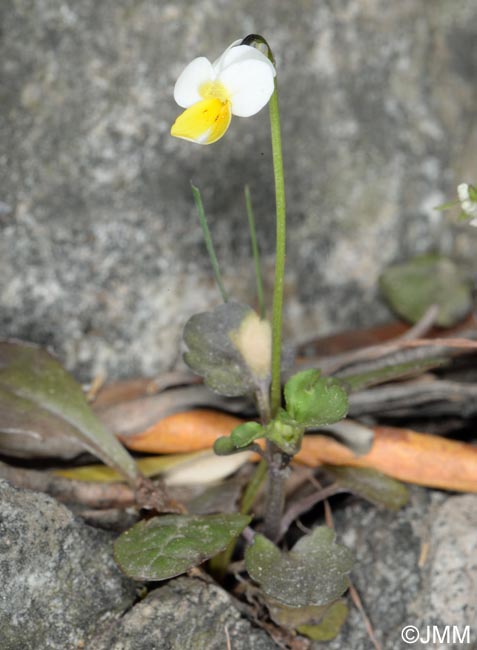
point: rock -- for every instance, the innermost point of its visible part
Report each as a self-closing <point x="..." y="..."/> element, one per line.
<point x="415" y="567"/>
<point x="59" y="580"/>
<point x="100" y="248"/>
<point x="186" y="613"/>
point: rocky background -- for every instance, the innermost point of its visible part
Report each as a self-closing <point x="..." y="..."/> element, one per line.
<point x="101" y="255"/>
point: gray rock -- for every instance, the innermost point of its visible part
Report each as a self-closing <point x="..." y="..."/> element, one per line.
<point x="59" y="582"/>
<point x="416" y="567"/>
<point x="101" y="254"/>
<point x="186" y="613"/>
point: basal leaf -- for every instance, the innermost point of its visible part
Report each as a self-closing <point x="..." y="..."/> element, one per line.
<point x="230" y="347"/>
<point x="314" y="572"/>
<point x="42" y="406"/>
<point x="167" y="546"/>
<point x="371" y="485"/>
<point x="411" y="288"/>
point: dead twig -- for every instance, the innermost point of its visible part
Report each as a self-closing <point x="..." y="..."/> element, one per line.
<point x="305" y="504"/>
<point x="93" y="495"/>
<point x="422" y="327"/>
<point x="136" y="415"/>
<point x="460" y="396"/>
<point x="353" y="592"/>
<point x="424" y="349"/>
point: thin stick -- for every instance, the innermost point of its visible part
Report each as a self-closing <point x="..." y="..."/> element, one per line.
<point x="208" y="241"/>
<point x="353" y="592"/>
<point x="423" y="325"/>
<point x="305" y="504"/>
<point x="255" y="250"/>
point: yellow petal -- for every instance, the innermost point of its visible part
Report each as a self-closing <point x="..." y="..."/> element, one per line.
<point x="204" y="122"/>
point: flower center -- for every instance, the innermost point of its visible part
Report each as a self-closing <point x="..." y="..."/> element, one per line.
<point x="214" y="89"/>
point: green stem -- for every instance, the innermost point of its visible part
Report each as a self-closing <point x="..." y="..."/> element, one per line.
<point x="277" y="313"/>
<point x="208" y="241"/>
<point x="255" y="251"/>
<point x="218" y="564"/>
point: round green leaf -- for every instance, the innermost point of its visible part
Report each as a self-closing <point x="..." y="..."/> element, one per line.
<point x="314" y="572"/>
<point x="164" y="547"/>
<point x="411" y="288"/>
<point x="314" y="400"/>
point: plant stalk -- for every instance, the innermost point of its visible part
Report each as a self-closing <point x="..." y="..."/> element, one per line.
<point x="277" y="311"/>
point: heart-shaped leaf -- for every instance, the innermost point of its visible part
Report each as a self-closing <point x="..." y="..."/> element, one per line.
<point x="42" y="406"/>
<point x="314" y="572"/>
<point x="167" y="546"/>
<point x="371" y="485"/>
<point x="314" y="400"/>
<point x="411" y="288"/>
<point x="230" y="347"/>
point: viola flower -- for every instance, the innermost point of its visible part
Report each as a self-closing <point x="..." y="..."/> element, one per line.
<point x="240" y="82"/>
<point x="468" y="201"/>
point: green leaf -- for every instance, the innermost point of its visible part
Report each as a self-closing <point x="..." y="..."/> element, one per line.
<point x="359" y="381"/>
<point x="230" y="347"/>
<point x="371" y="485"/>
<point x="314" y="572"/>
<point x="314" y="400"/>
<point x="164" y="547"/>
<point x="246" y="433"/>
<point x="224" y="446"/>
<point x="411" y="288"/>
<point x="447" y="206"/>
<point x="330" y="626"/>
<point x="42" y="406"/>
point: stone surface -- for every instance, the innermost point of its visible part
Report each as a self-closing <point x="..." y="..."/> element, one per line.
<point x="186" y="613"/>
<point x="415" y="567"/>
<point x="101" y="254"/>
<point x="59" y="582"/>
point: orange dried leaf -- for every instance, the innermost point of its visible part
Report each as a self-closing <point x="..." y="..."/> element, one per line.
<point x="183" y="432"/>
<point x="405" y="455"/>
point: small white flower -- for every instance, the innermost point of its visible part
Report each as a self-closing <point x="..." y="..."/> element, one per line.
<point x="468" y="200"/>
<point x="240" y="82"/>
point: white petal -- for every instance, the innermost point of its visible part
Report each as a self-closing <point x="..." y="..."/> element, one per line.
<point x="238" y="53"/>
<point x="469" y="207"/>
<point x="250" y="85"/>
<point x="186" y="90"/>
<point x="463" y="191"/>
<point x="218" y="63"/>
